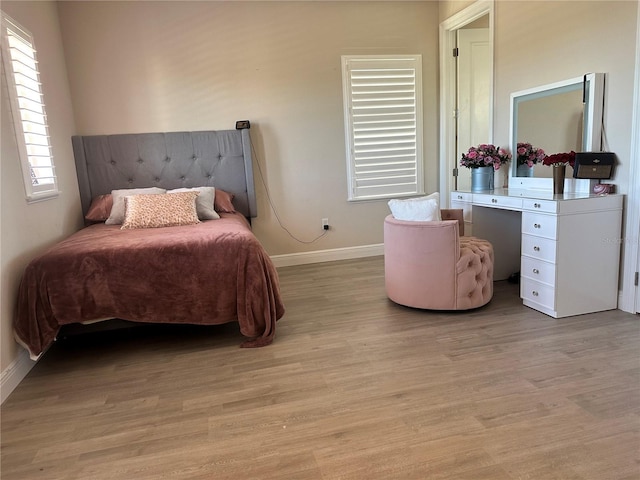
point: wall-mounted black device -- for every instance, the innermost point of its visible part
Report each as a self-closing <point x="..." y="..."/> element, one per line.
<point x="594" y="165"/>
<point x="242" y="124"/>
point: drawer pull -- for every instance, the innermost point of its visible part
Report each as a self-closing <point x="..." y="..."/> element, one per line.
<point x="536" y="225"/>
<point x="536" y="205"/>
<point x="493" y="200"/>
<point x="536" y="271"/>
<point x="536" y="248"/>
<point x="534" y="293"/>
<point x="459" y="197"/>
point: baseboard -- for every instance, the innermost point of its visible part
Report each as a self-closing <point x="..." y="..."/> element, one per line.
<point x="14" y="374"/>
<point x="319" y="256"/>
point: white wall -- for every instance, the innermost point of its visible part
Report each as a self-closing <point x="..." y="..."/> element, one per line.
<point x="163" y="66"/>
<point x="27" y="229"/>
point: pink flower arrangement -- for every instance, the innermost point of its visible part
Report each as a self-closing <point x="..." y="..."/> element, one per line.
<point x="559" y="159"/>
<point x="485" y="155"/>
<point x="529" y="155"/>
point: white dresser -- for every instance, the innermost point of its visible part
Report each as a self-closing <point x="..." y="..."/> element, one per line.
<point x="566" y="247"/>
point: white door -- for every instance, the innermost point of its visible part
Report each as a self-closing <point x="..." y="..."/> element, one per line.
<point x="473" y="95"/>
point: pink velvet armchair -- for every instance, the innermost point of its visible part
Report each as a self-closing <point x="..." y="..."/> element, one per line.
<point x="430" y="265"/>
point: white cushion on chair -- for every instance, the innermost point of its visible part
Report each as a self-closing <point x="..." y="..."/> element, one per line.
<point x="423" y="209"/>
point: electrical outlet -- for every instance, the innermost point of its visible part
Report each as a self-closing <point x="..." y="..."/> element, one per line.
<point x="325" y="224"/>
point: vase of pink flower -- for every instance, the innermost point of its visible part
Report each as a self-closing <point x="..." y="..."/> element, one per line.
<point x="526" y="157"/>
<point x="483" y="161"/>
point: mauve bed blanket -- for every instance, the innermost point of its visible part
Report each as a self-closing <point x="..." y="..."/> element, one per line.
<point x="210" y="273"/>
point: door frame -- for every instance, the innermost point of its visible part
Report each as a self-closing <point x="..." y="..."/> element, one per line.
<point x="630" y="298"/>
<point x="448" y="30"/>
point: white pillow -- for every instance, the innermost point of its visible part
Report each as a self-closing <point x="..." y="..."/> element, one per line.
<point x="116" y="217"/>
<point x="423" y="209"/>
<point x="204" y="201"/>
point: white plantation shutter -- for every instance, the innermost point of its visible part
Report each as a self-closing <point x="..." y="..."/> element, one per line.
<point x="28" y="111"/>
<point x="383" y="120"/>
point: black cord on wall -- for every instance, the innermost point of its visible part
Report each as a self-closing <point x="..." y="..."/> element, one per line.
<point x="273" y="208"/>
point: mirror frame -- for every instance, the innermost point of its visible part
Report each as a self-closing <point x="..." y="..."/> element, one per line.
<point x="593" y="83"/>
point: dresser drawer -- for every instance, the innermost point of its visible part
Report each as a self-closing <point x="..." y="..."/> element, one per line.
<point x="537" y="292"/>
<point x="498" y="201"/>
<point x="538" y="270"/>
<point x="461" y="197"/>
<point x="546" y="206"/>
<point x="538" y="247"/>
<point x="539" y="224"/>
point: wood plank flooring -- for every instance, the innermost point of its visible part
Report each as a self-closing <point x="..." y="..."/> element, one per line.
<point x="354" y="387"/>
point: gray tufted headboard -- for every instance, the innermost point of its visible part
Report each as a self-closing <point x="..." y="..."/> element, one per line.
<point x="220" y="159"/>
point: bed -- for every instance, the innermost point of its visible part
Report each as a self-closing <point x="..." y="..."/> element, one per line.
<point x="206" y="271"/>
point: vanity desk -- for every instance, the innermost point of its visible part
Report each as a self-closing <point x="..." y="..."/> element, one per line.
<point x="566" y="247"/>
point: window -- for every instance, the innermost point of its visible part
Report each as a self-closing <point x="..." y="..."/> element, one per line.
<point x="27" y="109"/>
<point x="383" y="122"/>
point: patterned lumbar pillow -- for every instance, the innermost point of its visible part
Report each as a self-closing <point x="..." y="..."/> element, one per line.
<point x="160" y="210"/>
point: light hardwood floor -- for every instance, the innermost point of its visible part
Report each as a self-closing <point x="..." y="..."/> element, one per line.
<point x="354" y="387"/>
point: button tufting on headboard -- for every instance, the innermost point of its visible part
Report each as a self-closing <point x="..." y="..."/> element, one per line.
<point x="221" y="159"/>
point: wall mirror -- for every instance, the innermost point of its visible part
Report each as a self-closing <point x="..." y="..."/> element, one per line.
<point x="558" y="117"/>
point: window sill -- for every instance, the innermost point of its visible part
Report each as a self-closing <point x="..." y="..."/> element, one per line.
<point x="41" y="197"/>
<point x="385" y="197"/>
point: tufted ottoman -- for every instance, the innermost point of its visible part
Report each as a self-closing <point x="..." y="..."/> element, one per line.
<point x="428" y="265"/>
<point x="475" y="273"/>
